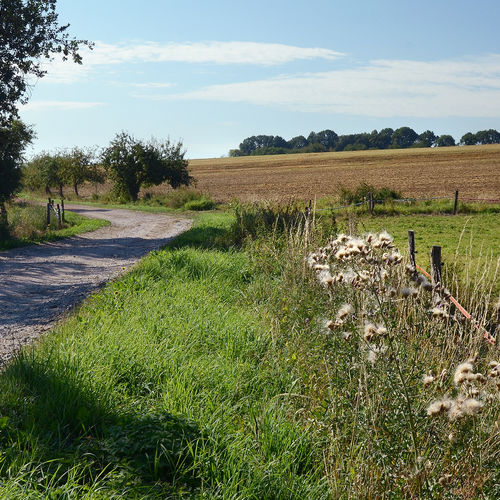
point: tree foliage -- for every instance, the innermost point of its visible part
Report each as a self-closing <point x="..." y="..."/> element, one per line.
<point x="29" y="33"/>
<point x="328" y="140"/>
<point x="445" y="140"/>
<point x="13" y="141"/>
<point x="131" y="164"/>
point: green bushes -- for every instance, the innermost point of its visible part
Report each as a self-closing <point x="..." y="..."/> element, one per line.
<point x="28" y="224"/>
<point x="363" y="191"/>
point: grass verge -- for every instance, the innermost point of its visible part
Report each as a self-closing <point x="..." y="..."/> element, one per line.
<point x="167" y="383"/>
<point x="27" y="225"/>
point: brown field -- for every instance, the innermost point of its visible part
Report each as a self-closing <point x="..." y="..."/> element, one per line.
<point x="473" y="170"/>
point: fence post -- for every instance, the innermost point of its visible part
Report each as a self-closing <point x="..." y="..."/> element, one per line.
<point x="455" y="206"/>
<point x="370" y="203"/>
<point x="48" y="214"/>
<point x="62" y="210"/>
<point x="58" y="211"/>
<point x="436" y="269"/>
<point x="411" y="248"/>
<point x="436" y="264"/>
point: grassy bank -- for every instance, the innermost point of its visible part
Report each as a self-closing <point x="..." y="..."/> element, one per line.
<point x="27" y="225"/>
<point x="211" y="371"/>
<point x="167" y="382"/>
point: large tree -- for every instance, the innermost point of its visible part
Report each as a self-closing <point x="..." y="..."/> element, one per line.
<point x="131" y="164"/>
<point x="29" y="33"/>
<point x="13" y="140"/>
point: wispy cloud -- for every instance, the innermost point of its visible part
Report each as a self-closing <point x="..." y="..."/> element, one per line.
<point x="251" y="53"/>
<point x="383" y="88"/>
<point x="60" y="105"/>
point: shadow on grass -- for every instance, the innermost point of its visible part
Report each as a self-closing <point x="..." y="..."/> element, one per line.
<point x="208" y="237"/>
<point x="54" y="422"/>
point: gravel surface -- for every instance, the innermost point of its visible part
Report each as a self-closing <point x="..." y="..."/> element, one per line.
<point x="39" y="283"/>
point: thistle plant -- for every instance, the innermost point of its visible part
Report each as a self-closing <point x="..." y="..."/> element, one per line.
<point x="398" y="330"/>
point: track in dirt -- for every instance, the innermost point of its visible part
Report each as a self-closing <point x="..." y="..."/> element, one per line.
<point x="39" y="283"/>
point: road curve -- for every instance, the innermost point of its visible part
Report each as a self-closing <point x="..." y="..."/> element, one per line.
<point x="38" y="283"/>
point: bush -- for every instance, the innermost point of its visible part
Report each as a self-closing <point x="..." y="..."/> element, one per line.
<point x="362" y="192"/>
<point x="203" y="203"/>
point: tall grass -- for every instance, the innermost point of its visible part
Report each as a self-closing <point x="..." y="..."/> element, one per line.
<point x="166" y="384"/>
<point x="376" y="349"/>
<point x="28" y="224"/>
<point x="293" y="365"/>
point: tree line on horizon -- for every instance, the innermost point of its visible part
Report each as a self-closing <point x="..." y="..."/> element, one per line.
<point x="387" y="138"/>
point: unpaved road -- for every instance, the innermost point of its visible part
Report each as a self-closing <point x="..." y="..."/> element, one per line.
<point x="38" y="283"/>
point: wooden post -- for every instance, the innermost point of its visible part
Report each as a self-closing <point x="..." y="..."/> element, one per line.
<point x="370" y="203"/>
<point x="62" y="210"/>
<point x="436" y="264"/>
<point x="58" y="211"/>
<point x="411" y="248"/>
<point x="455" y="206"/>
<point x="48" y="214"/>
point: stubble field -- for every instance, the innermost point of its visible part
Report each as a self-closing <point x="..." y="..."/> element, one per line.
<point x="473" y="170"/>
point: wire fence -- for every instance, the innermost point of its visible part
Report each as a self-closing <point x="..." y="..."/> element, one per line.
<point x="370" y="202"/>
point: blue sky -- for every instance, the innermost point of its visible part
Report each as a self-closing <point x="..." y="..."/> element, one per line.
<point x="214" y="72"/>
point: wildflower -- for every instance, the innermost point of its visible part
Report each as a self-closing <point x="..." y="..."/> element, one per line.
<point x="428" y="379"/>
<point x="462" y="371"/>
<point x="472" y="406"/>
<point x="344" y="311"/>
<point x="329" y="325"/>
<point x="408" y="292"/>
<point x="426" y="285"/>
<point x="373" y="353"/>
<point x="445" y="479"/>
<point x="439" y="313"/>
<point x="439" y="406"/>
<point x="370" y="331"/>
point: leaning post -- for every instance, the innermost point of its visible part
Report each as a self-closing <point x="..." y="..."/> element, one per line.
<point x="455" y="205"/>
<point x="411" y="250"/>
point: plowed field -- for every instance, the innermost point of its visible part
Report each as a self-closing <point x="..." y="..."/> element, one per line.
<point x="473" y="170"/>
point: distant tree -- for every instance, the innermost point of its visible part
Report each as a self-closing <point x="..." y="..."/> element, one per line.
<point x="235" y="152"/>
<point x="46" y="170"/>
<point x="382" y="139"/>
<point x="29" y="33"/>
<point x="490" y="136"/>
<point x="13" y="140"/>
<point x="76" y="167"/>
<point x="327" y="138"/>
<point x="297" y="142"/>
<point x="468" y="139"/>
<point x="312" y="138"/>
<point x="279" y="142"/>
<point x="132" y="164"/>
<point x="426" y="139"/>
<point x="404" y="137"/>
<point x="445" y="140"/>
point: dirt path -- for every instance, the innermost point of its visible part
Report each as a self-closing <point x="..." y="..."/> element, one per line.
<point x="39" y="283"/>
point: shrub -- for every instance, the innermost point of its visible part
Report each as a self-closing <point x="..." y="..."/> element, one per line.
<point x="362" y="192"/>
<point x="203" y="203"/>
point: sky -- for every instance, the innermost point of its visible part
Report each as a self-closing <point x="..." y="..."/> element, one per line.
<point x="212" y="72"/>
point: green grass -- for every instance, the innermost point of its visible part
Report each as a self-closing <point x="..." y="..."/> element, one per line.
<point x="468" y="242"/>
<point x="27" y="225"/>
<point x="168" y="382"/>
<point x="206" y="372"/>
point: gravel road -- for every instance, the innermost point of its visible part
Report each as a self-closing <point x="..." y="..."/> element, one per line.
<point x="39" y="283"/>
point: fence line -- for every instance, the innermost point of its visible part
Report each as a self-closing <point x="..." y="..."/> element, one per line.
<point x="436" y="250"/>
<point x="370" y="202"/>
